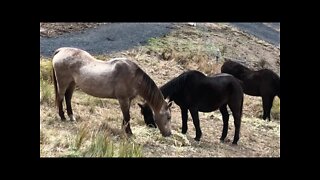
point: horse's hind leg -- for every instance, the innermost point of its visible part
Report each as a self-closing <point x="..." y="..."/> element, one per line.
<point x="59" y="101"/>
<point x="195" y="117"/>
<point x="68" y="96"/>
<point x="236" y="109"/>
<point x="61" y="84"/>
<point x="125" y="108"/>
<point x="267" y="102"/>
<point x="60" y="108"/>
<point x="225" y="117"/>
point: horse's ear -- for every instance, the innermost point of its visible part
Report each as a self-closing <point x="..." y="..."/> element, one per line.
<point x="141" y="106"/>
<point x="169" y="104"/>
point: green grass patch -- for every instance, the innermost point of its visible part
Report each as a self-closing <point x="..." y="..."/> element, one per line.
<point x="275" y="110"/>
<point x="46" y="70"/>
<point x="46" y="92"/>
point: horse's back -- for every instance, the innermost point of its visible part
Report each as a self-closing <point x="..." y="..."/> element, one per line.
<point x="234" y="68"/>
<point x="115" y="77"/>
<point x="217" y="87"/>
<point x="222" y="77"/>
<point x="66" y="56"/>
<point x="268" y="73"/>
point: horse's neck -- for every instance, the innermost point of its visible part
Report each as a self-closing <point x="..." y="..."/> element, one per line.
<point x="149" y="91"/>
<point x="155" y="109"/>
<point x="171" y="87"/>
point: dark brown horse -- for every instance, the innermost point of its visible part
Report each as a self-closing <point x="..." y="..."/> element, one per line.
<point x="117" y="78"/>
<point x="196" y="92"/>
<point x="264" y="83"/>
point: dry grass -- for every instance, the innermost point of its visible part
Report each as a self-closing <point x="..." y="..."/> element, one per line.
<point x="97" y="132"/>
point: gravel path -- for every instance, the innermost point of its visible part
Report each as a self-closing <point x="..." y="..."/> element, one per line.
<point x="121" y="36"/>
<point x="261" y="31"/>
<point x="106" y="38"/>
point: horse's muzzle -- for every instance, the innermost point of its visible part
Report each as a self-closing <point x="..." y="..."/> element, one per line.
<point x="167" y="134"/>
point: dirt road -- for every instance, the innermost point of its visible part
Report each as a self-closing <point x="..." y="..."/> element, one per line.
<point x="106" y="38"/>
<point x="121" y="36"/>
<point x="265" y="31"/>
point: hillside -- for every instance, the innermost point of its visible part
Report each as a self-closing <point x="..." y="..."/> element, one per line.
<point x="97" y="130"/>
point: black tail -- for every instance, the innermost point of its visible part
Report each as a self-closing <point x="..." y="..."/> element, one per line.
<point x="55" y="85"/>
<point x="54" y="77"/>
<point x="56" y="51"/>
<point x="278" y="88"/>
<point x="241" y="106"/>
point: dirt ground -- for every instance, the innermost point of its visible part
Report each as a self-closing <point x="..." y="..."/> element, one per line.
<point x="258" y="138"/>
<point x="57" y="29"/>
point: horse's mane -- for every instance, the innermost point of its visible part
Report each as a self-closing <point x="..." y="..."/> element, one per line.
<point x="176" y="84"/>
<point x="237" y="65"/>
<point x="149" y="90"/>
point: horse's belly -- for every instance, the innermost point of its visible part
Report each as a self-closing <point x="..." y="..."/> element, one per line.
<point x="250" y="88"/>
<point x="98" y="93"/>
<point x="97" y="89"/>
<point x="208" y="108"/>
<point x="251" y="92"/>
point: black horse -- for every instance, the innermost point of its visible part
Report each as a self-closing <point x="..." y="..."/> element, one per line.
<point x="194" y="91"/>
<point x="264" y="83"/>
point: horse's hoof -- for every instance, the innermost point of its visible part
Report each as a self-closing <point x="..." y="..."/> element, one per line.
<point x="197" y="139"/>
<point x="225" y="140"/>
<point x="184" y="131"/>
<point x="129" y="133"/>
<point x="152" y="126"/>
<point x="234" y="142"/>
<point x="72" y="118"/>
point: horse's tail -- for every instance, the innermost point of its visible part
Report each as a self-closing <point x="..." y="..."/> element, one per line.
<point x="278" y="87"/>
<point x="55" y="85"/>
<point x="241" y="106"/>
<point x="56" y="51"/>
<point x="54" y="77"/>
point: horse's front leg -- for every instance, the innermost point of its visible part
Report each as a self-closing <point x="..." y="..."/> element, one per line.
<point x="195" y="117"/>
<point x="125" y="108"/>
<point x="184" y="115"/>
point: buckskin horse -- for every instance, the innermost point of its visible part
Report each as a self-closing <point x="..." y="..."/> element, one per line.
<point x="118" y="78"/>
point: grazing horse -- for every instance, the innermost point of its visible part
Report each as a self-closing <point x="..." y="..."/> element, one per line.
<point x="194" y="91"/>
<point x="117" y="78"/>
<point x="264" y="83"/>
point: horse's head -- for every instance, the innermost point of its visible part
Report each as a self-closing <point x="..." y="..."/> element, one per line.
<point x="162" y="119"/>
<point x="147" y="115"/>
